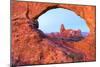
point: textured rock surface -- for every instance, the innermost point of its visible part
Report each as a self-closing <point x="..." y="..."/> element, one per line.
<point x="69" y="33"/>
<point x="31" y="46"/>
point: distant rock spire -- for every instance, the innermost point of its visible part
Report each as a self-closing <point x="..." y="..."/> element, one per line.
<point x="62" y="28"/>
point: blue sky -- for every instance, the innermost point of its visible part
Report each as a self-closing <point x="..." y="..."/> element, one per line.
<point x="51" y="21"/>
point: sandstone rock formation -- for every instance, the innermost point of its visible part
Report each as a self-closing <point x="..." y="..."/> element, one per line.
<point x="69" y="33"/>
<point x="62" y="29"/>
<point x="34" y="47"/>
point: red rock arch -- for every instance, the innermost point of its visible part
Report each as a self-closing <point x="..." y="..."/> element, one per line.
<point x="36" y="9"/>
<point x="19" y="9"/>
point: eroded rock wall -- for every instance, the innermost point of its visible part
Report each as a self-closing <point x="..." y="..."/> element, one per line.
<point x="29" y="47"/>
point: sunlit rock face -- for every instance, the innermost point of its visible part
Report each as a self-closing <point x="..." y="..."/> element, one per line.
<point x="31" y="47"/>
<point x="68" y="33"/>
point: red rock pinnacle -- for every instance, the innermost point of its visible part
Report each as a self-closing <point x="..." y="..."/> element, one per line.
<point x="62" y="28"/>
